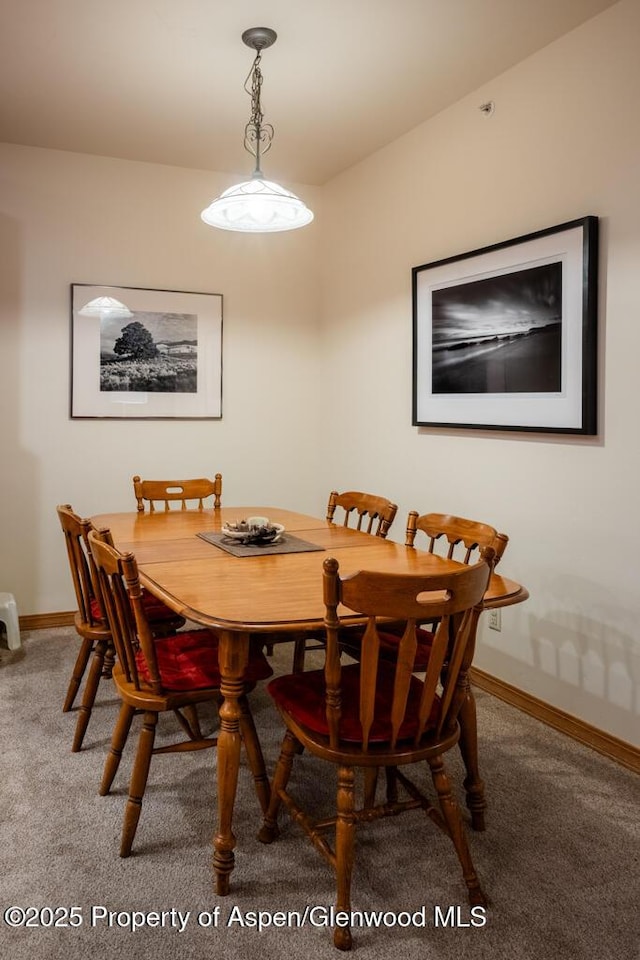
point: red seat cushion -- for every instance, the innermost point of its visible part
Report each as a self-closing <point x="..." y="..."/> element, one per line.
<point x="189" y="661"/>
<point x="96" y="610"/>
<point x="389" y="643"/>
<point x="302" y="696"/>
<point x="155" y="609"/>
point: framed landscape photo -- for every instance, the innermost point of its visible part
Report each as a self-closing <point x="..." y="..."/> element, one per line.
<point x="145" y="354"/>
<point x="505" y="337"/>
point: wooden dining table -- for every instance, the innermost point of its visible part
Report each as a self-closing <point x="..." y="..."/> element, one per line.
<point x="270" y="594"/>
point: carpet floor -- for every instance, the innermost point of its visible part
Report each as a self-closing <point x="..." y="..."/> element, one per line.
<point x="559" y="859"/>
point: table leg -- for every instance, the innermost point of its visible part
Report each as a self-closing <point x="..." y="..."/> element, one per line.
<point x="233" y="654"/>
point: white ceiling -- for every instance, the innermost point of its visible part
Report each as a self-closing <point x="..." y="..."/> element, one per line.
<point x="162" y="80"/>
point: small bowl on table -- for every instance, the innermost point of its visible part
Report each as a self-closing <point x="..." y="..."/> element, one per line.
<point x="254" y="530"/>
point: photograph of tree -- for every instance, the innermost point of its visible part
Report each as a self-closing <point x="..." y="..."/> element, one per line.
<point x="143" y="354"/>
<point x="151" y="353"/>
<point x="501" y="334"/>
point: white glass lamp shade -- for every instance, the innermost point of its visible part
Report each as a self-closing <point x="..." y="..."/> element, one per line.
<point x="105" y="307"/>
<point x="257" y="206"/>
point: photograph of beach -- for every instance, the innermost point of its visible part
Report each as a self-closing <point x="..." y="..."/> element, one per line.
<point x="501" y="334"/>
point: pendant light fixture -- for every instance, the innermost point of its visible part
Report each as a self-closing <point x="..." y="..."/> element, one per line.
<point x="257" y="205"/>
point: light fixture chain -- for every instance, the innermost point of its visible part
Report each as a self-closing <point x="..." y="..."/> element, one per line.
<point x="257" y="135"/>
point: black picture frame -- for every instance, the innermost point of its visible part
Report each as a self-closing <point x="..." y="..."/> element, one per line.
<point x="505" y="337"/>
<point x="166" y="366"/>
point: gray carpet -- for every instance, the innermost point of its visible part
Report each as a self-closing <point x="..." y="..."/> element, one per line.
<point x="559" y="859"/>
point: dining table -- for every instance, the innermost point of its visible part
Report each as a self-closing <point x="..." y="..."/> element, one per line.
<point x="273" y="591"/>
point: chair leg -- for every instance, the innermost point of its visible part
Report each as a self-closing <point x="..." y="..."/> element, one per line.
<point x="345" y="845"/>
<point x="191" y="712"/>
<point x="370" y="784"/>
<point x="138" y="783"/>
<point x="269" y="830"/>
<point x="189" y="720"/>
<point x="89" y="695"/>
<point x="392" y="784"/>
<point x="118" y="740"/>
<point x="299" y="649"/>
<point x="455" y="827"/>
<point x="254" y="754"/>
<point x="78" y="673"/>
<point x="109" y="660"/>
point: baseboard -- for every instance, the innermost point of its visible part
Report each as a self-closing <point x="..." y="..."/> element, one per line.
<point x="618" y="750"/>
<point x="45" y="621"/>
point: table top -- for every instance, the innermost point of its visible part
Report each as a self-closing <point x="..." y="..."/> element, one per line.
<point x="264" y="593"/>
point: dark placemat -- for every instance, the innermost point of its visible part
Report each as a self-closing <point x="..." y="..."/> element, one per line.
<point x="286" y="544"/>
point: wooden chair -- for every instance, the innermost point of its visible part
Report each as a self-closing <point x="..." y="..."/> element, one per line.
<point x="463" y="540"/>
<point x="375" y="514"/>
<point x="173" y="673"/>
<point x="90" y="621"/>
<point x="459" y="539"/>
<point x="183" y="491"/>
<point x="376" y="713"/>
<point x="455" y="537"/>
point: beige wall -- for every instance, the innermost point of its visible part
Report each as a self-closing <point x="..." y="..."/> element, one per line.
<point x="69" y="218"/>
<point x="564" y="142"/>
<point x="317" y="327"/>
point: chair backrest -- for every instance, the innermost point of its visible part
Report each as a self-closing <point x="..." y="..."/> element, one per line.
<point x="456" y="537"/>
<point x="376" y="513"/>
<point x="76" y="531"/>
<point x="417" y="708"/>
<point x="170" y="491"/>
<point x="122" y="597"/>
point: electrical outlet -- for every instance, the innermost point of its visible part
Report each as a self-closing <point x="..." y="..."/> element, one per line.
<point x="495" y="621"/>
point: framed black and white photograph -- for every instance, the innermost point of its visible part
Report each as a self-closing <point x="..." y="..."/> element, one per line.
<point x="505" y="337"/>
<point x="139" y="353"/>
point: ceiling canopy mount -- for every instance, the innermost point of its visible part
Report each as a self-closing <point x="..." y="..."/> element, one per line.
<point x="259" y="38"/>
